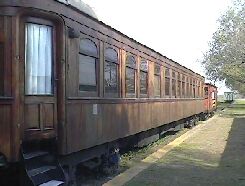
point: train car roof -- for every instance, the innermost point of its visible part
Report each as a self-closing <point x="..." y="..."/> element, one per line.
<point x="88" y="11"/>
<point x="80" y="5"/>
<point x="210" y="85"/>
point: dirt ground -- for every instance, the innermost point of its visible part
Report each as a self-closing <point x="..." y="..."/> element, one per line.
<point x="215" y="155"/>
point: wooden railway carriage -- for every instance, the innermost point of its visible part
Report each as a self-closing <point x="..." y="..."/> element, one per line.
<point x="65" y="75"/>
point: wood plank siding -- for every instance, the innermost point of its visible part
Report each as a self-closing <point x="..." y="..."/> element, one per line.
<point x="82" y="118"/>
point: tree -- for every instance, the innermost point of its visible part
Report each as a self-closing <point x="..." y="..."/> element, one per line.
<point x="225" y="59"/>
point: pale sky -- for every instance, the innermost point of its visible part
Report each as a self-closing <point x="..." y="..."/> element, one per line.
<point x="178" y="29"/>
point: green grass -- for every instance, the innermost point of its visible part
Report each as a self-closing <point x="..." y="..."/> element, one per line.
<point x="237" y="108"/>
<point x="239" y="102"/>
<point x="132" y="157"/>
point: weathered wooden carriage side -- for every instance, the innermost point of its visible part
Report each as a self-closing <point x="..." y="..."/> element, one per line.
<point x="76" y="119"/>
<point x="9" y="103"/>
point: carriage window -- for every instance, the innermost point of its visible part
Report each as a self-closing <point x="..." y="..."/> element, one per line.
<point x="167" y="82"/>
<point x="130" y="76"/>
<point x="111" y="72"/>
<point x="143" y="78"/>
<point x="157" y="80"/>
<point x="173" y="85"/>
<point x="38" y="59"/>
<point x="213" y="95"/>
<point x="187" y="87"/>
<point x="198" y="89"/>
<point x="191" y="90"/>
<point x="194" y="89"/>
<point x="88" y="66"/>
<point x="183" y="86"/>
<point x="1" y="69"/>
<point x="179" y="86"/>
<point x="206" y="92"/>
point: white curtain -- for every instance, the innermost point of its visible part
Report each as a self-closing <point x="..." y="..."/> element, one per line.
<point x="38" y="59"/>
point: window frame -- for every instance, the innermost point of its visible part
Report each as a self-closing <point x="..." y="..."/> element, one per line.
<point x="179" y="82"/>
<point x="173" y="79"/>
<point x="183" y="84"/>
<point x="168" y="78"/>
<point x="110" y="94"/>
<point x="131" y="95"/>
<point x="145" y="71"/>
<point x="41" y="21"/>
<point x="84" y="93"/>
<point x="157" y="75"/>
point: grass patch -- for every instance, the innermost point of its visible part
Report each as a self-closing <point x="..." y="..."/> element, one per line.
<point x="135" y="156"/>
<point x="236" y="109"/>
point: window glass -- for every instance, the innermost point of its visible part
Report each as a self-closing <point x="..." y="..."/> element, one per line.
<point x="88" y="66"/>
<point x="183" y="78"/>
<point x="143" y="83"/>
<point x="111" y="55"/>
<point x="1" y="69"/>
<point x="38" y="59"/>
<point x="194" y="91"/>
<point x="157" y="69"/>
<point x="213" y="95"/>
<point x="179" y="76"/>
<point x="111" y="72"/>
<point x="173" y="88"/>
<point x="157" y="80"/>
<point x="130" y="61"/>
<point x="167" y="86"/>
<point x="167" y="74"/>
<point x="88" y="47"/>
<point x="143" y="65"/>
<point x="183" y="86"/>
<point x="179" y="88"/>
<point x="130" y="81"/>
<point x="143" y="78"/>
<point x="157" y="90"/>
<point x="173" y="75"/>
<point x="130" y="76"/>
<point x="206" y="92"/>
<point x="87" y="71"/>
<point x="111" y="78"/>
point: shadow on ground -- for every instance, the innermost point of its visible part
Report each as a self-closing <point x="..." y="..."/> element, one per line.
<point x="195" y="164"/>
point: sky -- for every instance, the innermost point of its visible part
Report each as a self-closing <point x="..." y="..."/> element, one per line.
<point x="178" y="29"/>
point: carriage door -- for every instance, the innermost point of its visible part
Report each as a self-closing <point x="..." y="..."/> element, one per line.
<point x="40" y="102"/>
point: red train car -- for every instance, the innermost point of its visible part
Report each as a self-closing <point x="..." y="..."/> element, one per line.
<point x="210" y="93"/>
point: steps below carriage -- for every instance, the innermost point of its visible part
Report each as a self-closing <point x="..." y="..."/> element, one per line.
<point x="40" y="164"/>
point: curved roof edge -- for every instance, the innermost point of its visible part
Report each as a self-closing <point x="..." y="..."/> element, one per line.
<point x="80" y="5"/>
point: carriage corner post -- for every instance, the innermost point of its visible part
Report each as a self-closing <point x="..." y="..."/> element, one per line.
<point x="82" y="91"/>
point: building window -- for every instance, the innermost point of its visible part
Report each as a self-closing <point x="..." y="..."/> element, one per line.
<point x="157" y="80"/>
<point x="173" y="84"/>
<point x="143" y="78"/>
<point x="88" y="67"/>
<point x="130" y="76"/>
<point x="38" y="59"/>
<point x="167" y="82"/>
<point x="1" y="69"/>
<point x="111" y="73"/>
